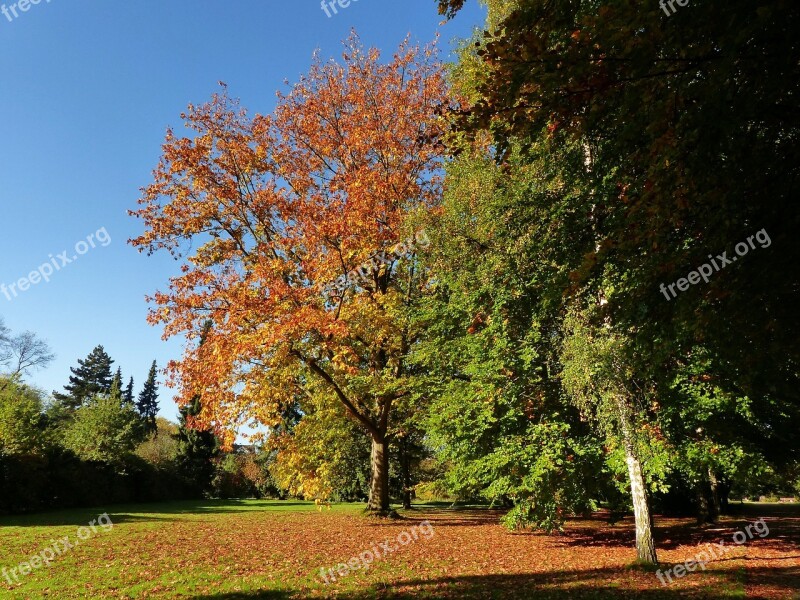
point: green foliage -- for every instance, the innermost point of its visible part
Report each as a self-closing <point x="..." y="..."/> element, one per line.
<point x="196" y="449"/>
<point x="160" y="448"/>
<point x="147" y="404"/>
<point x="546" y="473"/>
<point x="91" y="377"/>
<point x="499" y="419"/>
<point x="21" y="420"/>
<point x="689" y="125"/>
<point x="103" y="430"/>
<point x="325" y="456"/>
<point x="116" y="385"/>
<point x="127" y="395"/>
<point x="630" y="147"/>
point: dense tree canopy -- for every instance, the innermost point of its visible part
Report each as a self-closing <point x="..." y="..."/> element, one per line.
<point x="285" y="204"/>
<point x="674" y="140"/>
<point x="103" y="430"/>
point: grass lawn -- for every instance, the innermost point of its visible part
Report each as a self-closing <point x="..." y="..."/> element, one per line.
<point x="272" y="549"/>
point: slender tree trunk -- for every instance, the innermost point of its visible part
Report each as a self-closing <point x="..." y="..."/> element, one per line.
<point x="645" y="543"/>
<point x="405" y="472"/>
<point x="702" y="502"/>
<point x="724" y="500"/>
<point x="379" y="486"/>
<point x="715" y="503"/>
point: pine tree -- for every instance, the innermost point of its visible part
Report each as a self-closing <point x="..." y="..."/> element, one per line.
<point x="148" y="400"/>
<point x="196" y="449"/>
<point x="91" y="377"/>
<point x="127" y="396"/>
<point x="116" y="386"/>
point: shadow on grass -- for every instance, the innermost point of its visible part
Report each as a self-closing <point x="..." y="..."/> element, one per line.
<point x="446" y="517"/>
<point x="142" y="512"/>
<point x="265" y="595"/>
<point x="783" y="523"/>
<point x="594" y="584"/>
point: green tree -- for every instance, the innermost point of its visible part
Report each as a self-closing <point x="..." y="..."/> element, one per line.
<point x="116" y="385"/>
<point x="91" y="377"/>
<point x="493" y="327"/>
<point x="671" y="118"/>
<point x="161" y="449"/>
<point x="103" y="430"/>
<point x="127" y="396"/>
<point x="675" y="115"/>
<point x="22" y="428"/>
<point x="197" y="449"/>
<point x="147" y="404"/>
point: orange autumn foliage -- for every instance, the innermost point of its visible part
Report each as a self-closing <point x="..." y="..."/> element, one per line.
<point x="265" y="211"/>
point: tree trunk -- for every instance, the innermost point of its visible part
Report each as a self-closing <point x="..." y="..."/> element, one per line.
<point x="379" y="486"/>
<point x="724" y="499"/>
<point x="405" y="471"/>
<point x="645" y="544"/>
<point x="715" y="503"/>
<point x="702" y="502"/>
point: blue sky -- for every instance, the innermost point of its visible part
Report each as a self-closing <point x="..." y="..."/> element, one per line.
<point x="87" y="89"/>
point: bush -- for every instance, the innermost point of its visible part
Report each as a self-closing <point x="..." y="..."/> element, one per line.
<point x="60" y="479"/>
<point x="103" y="430"/>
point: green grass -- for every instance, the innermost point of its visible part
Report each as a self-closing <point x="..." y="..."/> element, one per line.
<point x="96" y="564"/>
<point x="251" y="549"/>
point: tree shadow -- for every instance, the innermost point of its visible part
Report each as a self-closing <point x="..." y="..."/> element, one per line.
<point x="258" y="595"/>
<point x="787" y="578"/>
<point x="130" y="513"/>
<point x="446" y="517"/>
<point x="594" y="584"/>
<point x="673" y="535"/>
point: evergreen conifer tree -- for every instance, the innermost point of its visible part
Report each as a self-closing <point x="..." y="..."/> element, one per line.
<point x="147" y="404"/>
<point x="127" y="396"/>
<point x="196" y="450"/>
<point x="91" y="377"/>
<point x="116" y="386"/>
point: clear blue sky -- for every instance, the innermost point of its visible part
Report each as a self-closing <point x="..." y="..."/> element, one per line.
<point x="87" y="89"/>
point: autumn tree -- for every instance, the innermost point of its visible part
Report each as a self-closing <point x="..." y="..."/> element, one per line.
<point x="324" y="456"/>
<point x="278" y="207"/>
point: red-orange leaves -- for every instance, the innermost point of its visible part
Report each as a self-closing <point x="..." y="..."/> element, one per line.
<point x="266" y="210"/>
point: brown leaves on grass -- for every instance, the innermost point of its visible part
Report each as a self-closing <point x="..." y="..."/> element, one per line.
<point x="265" y="553"/>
